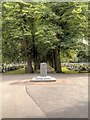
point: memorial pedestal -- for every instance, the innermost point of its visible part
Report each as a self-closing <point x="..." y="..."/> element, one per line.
<point x="44" y="79"/>
<point x="43" y="75"/>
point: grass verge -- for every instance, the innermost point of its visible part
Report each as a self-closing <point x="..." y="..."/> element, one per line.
<point x="67" y="71"/>
<point x="19" y="71"/>
<point x="22" y="71"/>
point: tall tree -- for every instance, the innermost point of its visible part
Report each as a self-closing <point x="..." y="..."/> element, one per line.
<point x="41" y="32"/>
<point x="73" y="21"/>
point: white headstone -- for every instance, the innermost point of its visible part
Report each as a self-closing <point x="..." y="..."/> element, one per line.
<point x="43" y="69"/>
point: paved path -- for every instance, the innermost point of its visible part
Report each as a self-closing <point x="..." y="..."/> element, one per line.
<point x="17" y="104"/>
<point x="66" y="98"/>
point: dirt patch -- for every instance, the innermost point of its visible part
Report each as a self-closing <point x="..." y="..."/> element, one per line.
<point x="28" y="82"/>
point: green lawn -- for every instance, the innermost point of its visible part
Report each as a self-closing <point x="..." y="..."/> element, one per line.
<point x="19" y="71"/>
<point x="65" y="70"/>
<point x="22" y="71"/>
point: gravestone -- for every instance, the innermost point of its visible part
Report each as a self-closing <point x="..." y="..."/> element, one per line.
<point x="43" y="75"/>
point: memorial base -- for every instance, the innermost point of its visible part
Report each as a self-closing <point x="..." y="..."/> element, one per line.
<point x="44" y="79"/>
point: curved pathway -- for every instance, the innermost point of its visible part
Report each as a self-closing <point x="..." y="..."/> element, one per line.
<point x="17" y="104"/>
<point x="66" y="98"/>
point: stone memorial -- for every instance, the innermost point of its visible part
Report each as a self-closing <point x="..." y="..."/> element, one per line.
<point x="43" y="74"/>
<point x="43" y="69"/>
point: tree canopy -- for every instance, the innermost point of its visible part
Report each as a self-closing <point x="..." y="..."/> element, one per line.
<point x="43" y="32"/>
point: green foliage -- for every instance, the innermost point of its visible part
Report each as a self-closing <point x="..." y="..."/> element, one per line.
<point x="39" y="28"/>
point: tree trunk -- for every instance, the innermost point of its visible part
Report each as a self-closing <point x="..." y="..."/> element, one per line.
<point x="60" y="62"/>
<point x="36" y="60"/>
<point x="33" y="50"/>
<point x="54" y="60"/>
<point x="57" y="61"/>
<point x="37" y="64"/>
<point x="29" y="68"/>
<point x="50" y="62"/>
<point x="33" y="43"/>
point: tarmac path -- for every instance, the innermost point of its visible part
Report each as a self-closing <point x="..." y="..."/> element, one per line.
<point x="65" y="98"/>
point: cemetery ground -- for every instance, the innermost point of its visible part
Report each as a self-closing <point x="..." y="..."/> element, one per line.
<point x="55" y="33"/>
<point x="65" y="98"/>
<point x="22" y="71"/>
